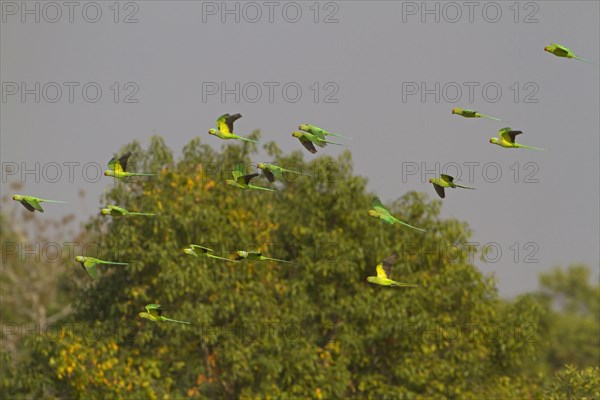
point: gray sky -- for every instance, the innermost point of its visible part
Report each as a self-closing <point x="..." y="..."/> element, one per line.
<point x="372" y="60"/>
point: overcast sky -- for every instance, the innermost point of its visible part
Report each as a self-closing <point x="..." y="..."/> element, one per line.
<point x="387" y="73"/>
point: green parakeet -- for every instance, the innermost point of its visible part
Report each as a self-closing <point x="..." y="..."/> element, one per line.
<point x="445" y="181"/>
<point x="242" y="181"/>
<point x="471" y="114"/>
<point x="507" y="140"/>
<point x="154" y="313"/>
<point x="309" y="140"/>
<point x="118" y="211"/>
<point x="225" y="128"/>
<point x="118" y="168"/>
<point x="384" y="274"/>
<point x="89" y="264"/>
<point x="194" y="249"/>
<point x="561" y="51"/>
<point x="380" y="212"/>
<point x="33" y="203"/>
<point x="271" y="171"/>
<point x="316" y="130"/>
<point x="256" y="256"/>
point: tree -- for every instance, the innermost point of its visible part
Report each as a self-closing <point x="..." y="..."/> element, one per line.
<point x="571" y="317"/>
<point x="313" y="329"/>
<point x="571" y="383"/>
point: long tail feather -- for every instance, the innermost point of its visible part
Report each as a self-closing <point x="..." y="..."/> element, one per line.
<point x="144" y="214"/>
<point x="222" y="258"/>
<point x="530" y="147"/>
<point x="278" y="260"/>
<point x="339" y="144"/>
<point x="141" y="174"/>
<point x="465" y="187"/>
<point x="174" y="320"/>
<point x="404" y="284"/>
<point x="490" y="117"/>
<point x="261" y="188"/>
<point x="295" y="172"/>
<point x="410" y="226"/>
<point x="340" y="136"/>
<point x="247" y="140"/>
<point x="113" y="263"/>
<point x="54" y="201"/>
<point x="584" y="60"/>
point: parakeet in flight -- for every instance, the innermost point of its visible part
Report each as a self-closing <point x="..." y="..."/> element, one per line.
<point x="445" y="181"/>
<point x="118" y="211"/>
<point x="118" y="168"/>
<point x="154" y="313"/>
<point x="380" y="212"/>
<point x="271" y="171"/>
<point x="33" y="203"/>
<point x="309" y="140"/>
<point x="471" y="114"/>
<point x="242" y="181"/>
<point x="561" y="51"/>
<point x="225" y="128"/>
<point x="384" y="274"/>
<point x="507" y="139"/>
<point x="256" y="256"/>
<point x="89" y="264"/>
<point x="316" y="130"/>
<point x="194" y="249"/>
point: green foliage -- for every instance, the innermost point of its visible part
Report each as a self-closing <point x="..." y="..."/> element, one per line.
<point x="571" y="383"/>
<point x="571" y="318"/>
<point x="313" y="329"/>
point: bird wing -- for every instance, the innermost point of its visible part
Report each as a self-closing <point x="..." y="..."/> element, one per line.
<point x="308" y="145"/>
<point x="440" y="190"/>
<point x="317" y="133"/>
<point x="27" y="205"/>
<point x="386" y="265"/>
<point x="380" y="271"/>
<point x="204" y="249"/>
<point x="238" y="171"/>
<point x="120" y="210"/>
<point x="120" y="164"/>
<point x="112" y="163"/>
<point x="225" y="122"/>
<point x="35" y="203"/>
<point x="269" y="175"/>
<point x="123" y="161"/>
<point x="92" y="271"/>
<point x="90" y="262"/>
<point x="378" y="206"/>
<point x="153" y="307"/>
<point x="306" y="128"/>
<point x="248" y="178"/>
<point x="513" y="135"/>
<point x="447" y="178"/>
<point x="561" y="47"/>
<point x="508" y="134"/>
